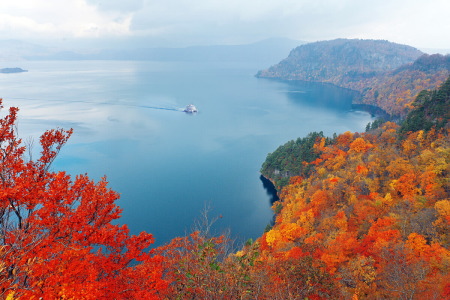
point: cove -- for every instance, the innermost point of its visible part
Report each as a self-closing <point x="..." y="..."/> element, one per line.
<point x="166" y="164"/>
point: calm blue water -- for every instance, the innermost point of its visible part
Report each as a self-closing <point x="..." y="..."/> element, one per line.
<point x="167" y="164"/>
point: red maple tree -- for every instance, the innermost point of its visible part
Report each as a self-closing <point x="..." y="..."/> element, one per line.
<point x="57" y="239"/>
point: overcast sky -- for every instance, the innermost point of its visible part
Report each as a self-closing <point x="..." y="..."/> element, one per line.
<point x="419" y="23"/>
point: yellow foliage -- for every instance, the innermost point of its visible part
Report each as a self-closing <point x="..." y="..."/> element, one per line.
<point x="352" y="199"/>
<point x="388" y="200"/>
<point x="306" y="220"/>
<point x="408" y="146"/>
<point x="320" y="145"/>
<point x="442" y="160"/>
<point x="291" y="231"/>
<point x="340" y="221"/>
<point x="272" y="237"/>
<point x="443" y="207"/>
<point x="10" y="296"/>
<point x="420" y="137"/>
<point x="336" y="163"/>
<point x="321" y="171"/>
<point x="239" y="253"/>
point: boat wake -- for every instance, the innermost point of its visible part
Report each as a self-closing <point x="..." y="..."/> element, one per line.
<point x="43" y="101"/>
<point x="162" y="108"/>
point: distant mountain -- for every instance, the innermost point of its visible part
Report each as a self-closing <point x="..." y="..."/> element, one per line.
<point x="15" y="50"/>
<point x="342" y="60"/>
<point x="388" y="75"/>
<point x="267" y="51"/>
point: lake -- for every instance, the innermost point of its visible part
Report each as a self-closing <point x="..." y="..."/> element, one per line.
<point x="167" y="165"/>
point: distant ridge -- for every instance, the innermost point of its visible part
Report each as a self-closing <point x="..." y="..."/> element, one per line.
<point x="388" y="75"/>
<point x="266" y="51"/>
<point x="16" y="50"/>
<point x="342" y="60"/>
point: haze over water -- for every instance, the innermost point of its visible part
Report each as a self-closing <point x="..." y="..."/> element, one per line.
<point x="166" y="164"/>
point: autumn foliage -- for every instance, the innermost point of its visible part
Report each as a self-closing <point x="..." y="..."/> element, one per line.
<point x="370" y="219"/>
<point x="360" y="216"/>
<point x="374" y="212"/>
<point x="57" y="239"/>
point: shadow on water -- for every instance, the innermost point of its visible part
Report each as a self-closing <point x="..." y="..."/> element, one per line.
<point x="272" y="193"/>
<point x="321" y="94"/>
<point x="374" y="111"/>
<point x="270" y="189"/>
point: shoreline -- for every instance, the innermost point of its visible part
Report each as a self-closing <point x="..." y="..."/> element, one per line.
<point x="356" y="104"/>
<point x="374" y="110"/>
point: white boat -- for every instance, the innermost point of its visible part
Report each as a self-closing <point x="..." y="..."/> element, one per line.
<point x="190" y="109"/>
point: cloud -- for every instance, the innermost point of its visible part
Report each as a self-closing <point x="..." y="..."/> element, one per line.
<point x="237" y="20"/>
<point x="189" y="22"/>
<point x="123" y="6"/>
<point x="55" y="18"/>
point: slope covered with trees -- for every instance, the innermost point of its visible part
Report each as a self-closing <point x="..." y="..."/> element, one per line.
<point x="388" y="75"/>
<point x="292" y="159"/>
<point x="342" y="60"/>
<point x="373" y="215"/>
<point x="374" y="212"/>
<point x="396" y="91"/>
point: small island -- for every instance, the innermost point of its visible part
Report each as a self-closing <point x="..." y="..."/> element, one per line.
<point x="12" y="70"/>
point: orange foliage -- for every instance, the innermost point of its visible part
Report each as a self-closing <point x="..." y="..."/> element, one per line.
<point x="360" y="145"/>
<point x="360" y="169"/>
<point x="406" y="185"/>
<point x="359" y="211"/>
<point x="295" y="180"/>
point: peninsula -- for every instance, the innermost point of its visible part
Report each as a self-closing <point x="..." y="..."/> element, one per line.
<point x="388" y="75"/>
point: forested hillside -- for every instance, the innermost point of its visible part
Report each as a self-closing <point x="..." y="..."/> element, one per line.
<point x="388" y="75"/>
<point x="342" y="60"/>
<point x="374" y="213"/>
<point x="292" y="159"/>
<point x="395" y="91"/>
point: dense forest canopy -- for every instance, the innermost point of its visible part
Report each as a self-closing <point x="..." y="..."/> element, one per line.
<point x="292" y="159"/>
<point x="431" y="110"/>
